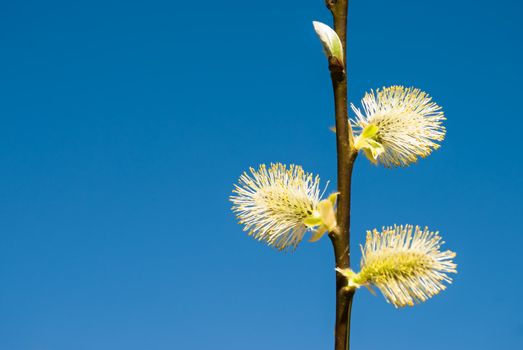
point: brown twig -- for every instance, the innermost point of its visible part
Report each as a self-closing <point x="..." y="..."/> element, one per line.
<point x="346" y="156"/>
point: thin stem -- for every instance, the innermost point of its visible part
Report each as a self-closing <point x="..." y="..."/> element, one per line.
<point x="346" y="156"/>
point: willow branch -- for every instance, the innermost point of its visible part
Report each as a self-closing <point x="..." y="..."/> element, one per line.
<point x="346" y="156"/>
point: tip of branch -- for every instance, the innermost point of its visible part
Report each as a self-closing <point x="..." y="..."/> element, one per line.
<point x="330" y="4"/>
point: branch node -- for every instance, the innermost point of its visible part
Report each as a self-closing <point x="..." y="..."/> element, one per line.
<point x="337" y="69"/>
<point x="348" y="290"/>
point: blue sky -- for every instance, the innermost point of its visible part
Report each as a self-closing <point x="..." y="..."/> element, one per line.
<point x="125" y="125"/>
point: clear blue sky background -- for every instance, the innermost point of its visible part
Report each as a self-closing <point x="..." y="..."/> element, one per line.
<point x="124" y="125"/>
